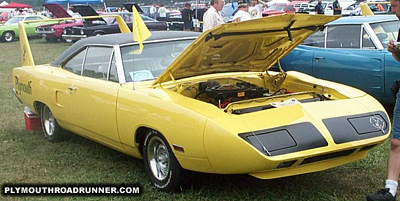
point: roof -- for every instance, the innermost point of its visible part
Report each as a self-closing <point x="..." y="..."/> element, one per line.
<point x="363" y="19"/>
<point x="120" y="39"/>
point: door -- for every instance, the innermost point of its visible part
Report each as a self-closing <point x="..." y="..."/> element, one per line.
<point x="90" y="98"/>
<point x="351" y="59"/>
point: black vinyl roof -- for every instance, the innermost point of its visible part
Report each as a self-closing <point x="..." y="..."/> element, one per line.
<point x="120" y="39"/>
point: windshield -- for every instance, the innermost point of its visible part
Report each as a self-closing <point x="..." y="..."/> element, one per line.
<point x="386" y="31"/>
<point x="14" y="20"/>
<point x="154" y="59"/>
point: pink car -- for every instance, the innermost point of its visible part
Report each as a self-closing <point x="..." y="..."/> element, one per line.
<point x="54" y="33"/>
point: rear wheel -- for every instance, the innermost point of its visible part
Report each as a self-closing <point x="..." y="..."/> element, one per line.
<point x="98" y="33"/>
<point x="52" y="131"/>
<point x="8" y="36"/>
<point x="160" y="163"/>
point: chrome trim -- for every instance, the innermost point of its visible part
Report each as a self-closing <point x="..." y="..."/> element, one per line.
<point x="15" y="94"/>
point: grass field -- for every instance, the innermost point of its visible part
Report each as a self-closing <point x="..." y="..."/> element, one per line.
<point x="26" y="157"/>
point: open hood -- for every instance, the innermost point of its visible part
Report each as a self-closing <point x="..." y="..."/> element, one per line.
<point x="84" y="10"/>
<point x="249" y="46"/>
<point x="57" y="10"/>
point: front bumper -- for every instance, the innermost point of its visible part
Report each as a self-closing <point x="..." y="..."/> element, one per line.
<point x="72" y="37"/>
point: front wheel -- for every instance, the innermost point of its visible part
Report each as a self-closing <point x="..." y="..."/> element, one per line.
<point x="160" y="163"/>
<point x="52" y="131"/>
<point x="8" y="36"/>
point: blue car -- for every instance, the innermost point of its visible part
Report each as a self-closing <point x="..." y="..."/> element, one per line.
<point x="352" y="51"/>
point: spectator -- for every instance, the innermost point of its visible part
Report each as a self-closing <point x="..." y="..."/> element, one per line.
<point x="318" y="8"/>
<point x="243" y="12"/>
<point x="256" y="8"/>
<point x="393" y="164"/>
<point x="380" y="7"/>
<point x="162" y="13"/>
<point x="337" y="10"/>
<point x="212" y="17"/>
<point x="187" y="16"/>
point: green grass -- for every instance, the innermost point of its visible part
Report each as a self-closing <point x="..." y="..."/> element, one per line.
<point x="26" y="157"/>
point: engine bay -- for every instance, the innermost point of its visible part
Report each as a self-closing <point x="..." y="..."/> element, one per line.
<point x="237" y="95"/>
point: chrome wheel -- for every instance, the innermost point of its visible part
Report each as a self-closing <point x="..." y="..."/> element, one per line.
<point x="158" y="158"/>
<point x="160" y="163"/>
<point x="48" y="121"/>
<point x="8" y="36"/>
<point x="51" y="130"/>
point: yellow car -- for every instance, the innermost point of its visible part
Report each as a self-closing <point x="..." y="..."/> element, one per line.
<point x="205" y="103"/>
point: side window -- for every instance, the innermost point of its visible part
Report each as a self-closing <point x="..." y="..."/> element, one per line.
<point x="316" y="39"/>
<point x="335" y="37"/>
<point x="33" y="18"/>
<point x="366" y="41"/>
<point x="97" y="62"/>
<point x="113" y="71"/>
<point x="74" y="65"/>
<point x="291" y="8"/>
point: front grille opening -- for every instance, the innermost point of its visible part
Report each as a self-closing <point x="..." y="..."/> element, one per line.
<point x="327" y="156"/>
<point x="286" y="164"/>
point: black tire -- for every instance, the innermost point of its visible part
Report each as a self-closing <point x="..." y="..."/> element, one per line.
<point x="52" y="40"/>
<point x="8" y="36"/>
<point x="51" y="129"/>
<point x="98" y="33"/>
<point x="161" y="165"/>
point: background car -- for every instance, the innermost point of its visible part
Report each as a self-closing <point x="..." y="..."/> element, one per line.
<point x="9" y="31"/>
<point x="204" y="102"/>
<point x="357" y="58"/>
<point x="3" y="17"/>
<point x="53" y="32"/>
<point x="279" y="8"/>
<point x="105" y="25"/>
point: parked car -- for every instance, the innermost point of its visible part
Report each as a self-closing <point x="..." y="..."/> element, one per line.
<point x="53" y="32"/>
<point x="9" y="31"/>
<point x="106" y="25"/>
<point x="3" y="17"/>
<point x="279" y="8"/>
<point x="357" y="58"/>
<point x="174" y="20"/>
<point x="300" y="6"/>
<point x="204" y="102"/>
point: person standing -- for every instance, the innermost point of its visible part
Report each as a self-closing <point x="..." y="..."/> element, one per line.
<point x="256" y="8"/>
<point x="212" y="17"/>
<point x="187" y="16"/>
<point x="318" y="8"/>
<point x="243" y="12"/>
<point x="162" y="13"/>
<point x="337" y="10"/>
<point x="393" y="165"/>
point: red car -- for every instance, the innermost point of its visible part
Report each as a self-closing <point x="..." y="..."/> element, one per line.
<point x="54" y="32"/>
<point x="3" y="17"/>
<point x="279" y="8"/>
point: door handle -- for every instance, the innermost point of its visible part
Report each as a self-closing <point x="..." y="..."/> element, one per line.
<point x="318" y="58"/>
<point x="72" y="88"/>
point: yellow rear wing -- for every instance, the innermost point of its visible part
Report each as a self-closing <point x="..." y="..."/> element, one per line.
<point x="366" y="10"/>
<point x="26" y="53"/>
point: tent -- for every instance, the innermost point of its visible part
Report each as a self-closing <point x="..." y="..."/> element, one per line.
<point x="16" y="5"/>
<point x="3" y="3"/>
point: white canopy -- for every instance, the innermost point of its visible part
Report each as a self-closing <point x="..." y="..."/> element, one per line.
<point x="3" y="3"/>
